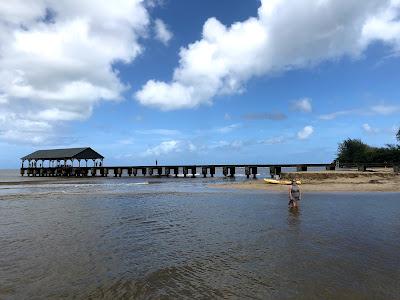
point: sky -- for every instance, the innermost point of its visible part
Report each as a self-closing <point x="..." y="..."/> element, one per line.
<point x="190" y="81"/>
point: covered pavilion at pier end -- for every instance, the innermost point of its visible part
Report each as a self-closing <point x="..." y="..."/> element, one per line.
<point x="57" y="158"/>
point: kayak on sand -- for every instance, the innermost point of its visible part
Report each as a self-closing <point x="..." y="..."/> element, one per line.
<point x="284" y="182"/>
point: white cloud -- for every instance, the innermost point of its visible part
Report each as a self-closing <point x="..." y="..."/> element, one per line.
<point x="235" y="144"/>
<point x="285" y="35"/>
<point x="305" y="133"/>
<point x="368" y="129"/>
<point x="227" y="129"/>
<point x="56" y="60"/>
<point x="379" y="109"/>
<point x="383" y="109"/>
<point x="171" y="146"/>
<point x="303" y="105"/>
<point x="336" y="114"/>
<point x="274" y="140"/>
<point x="375" y="130"/>
<point x="127" y="141"/>
<point x="162" y="32"/>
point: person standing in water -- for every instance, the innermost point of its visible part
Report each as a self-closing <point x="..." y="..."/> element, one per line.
<point x="294" y="194"/>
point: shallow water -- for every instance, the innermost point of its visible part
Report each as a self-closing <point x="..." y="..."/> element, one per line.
<point x="144" y="238"/>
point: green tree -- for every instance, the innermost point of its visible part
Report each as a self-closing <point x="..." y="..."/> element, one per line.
<point x="354" y="151"/>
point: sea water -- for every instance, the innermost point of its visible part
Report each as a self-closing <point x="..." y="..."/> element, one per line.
<point x="151" y="238"/>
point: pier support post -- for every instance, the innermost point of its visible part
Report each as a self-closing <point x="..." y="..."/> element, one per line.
<point x="330" y="167"/>
<point x="144" y="171"/>
<point x="185" y="171"/>
<point x="225" y="171"/>
<point x="115" y="172"/>
<point x="247" y="171"/>
<point x="129" y="172"/>
<point x="301" y="168"/>
<point x="275" y="170"/>
<point x="204" y="171"/>
<point x="193" y="172"/>
<point x="232" y="171"/>
<point x="150" y="171"/>
<point x="254" y="172"/>
<point x="159" y="171"/>
<point x="212" y="171"/>
<point x="134" y="171"/>
<point x="167" y="171"/>
<point x="176" y="171"/>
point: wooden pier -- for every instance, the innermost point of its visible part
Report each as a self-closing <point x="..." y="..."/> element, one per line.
<point x="167" y="171"/>
<point x="68" y="163"/>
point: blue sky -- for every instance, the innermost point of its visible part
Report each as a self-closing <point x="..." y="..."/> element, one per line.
<point x="256" y="81"/>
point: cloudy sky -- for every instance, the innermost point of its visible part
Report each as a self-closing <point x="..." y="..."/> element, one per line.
<point x="190" y="81"/>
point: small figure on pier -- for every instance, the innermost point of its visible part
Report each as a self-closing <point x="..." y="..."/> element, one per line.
<point x="156" y="162"/>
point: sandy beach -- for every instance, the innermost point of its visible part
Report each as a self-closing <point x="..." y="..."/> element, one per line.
<point x="328" y="181"/>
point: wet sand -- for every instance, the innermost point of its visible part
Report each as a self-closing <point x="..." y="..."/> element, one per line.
<point x="328" y="181"/>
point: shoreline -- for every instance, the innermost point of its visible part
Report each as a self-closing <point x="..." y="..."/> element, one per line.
<point x="326" y="181"/>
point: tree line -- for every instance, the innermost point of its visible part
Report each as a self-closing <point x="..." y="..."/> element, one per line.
<point x="355" y="151"/>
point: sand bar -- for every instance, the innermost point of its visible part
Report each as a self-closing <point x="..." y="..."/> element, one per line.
<point x="328" y="181"/>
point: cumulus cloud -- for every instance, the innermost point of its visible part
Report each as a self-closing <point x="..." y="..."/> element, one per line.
<point x="305" y="133"/>
<point x="368" y="129"/>
<point x="170" y="146"/>
<point x="303" y="105"/>
<point x="56" y="60"/>
<point x="162" y="32"/>
<point x="285" y="35"/>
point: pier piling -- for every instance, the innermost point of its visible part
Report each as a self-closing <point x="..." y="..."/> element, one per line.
<point x="301" y="168"/>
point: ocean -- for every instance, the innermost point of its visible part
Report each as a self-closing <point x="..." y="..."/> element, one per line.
<point x="180" y="238"/>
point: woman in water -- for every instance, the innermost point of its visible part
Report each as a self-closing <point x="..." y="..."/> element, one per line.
<point x="294" y="195"/>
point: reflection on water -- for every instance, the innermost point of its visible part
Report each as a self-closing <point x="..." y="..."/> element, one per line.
<point x="179" y="239"/>
<point x="294" y="217"/>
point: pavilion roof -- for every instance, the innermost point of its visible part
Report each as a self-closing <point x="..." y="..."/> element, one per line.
<point x="61" y="154"/>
